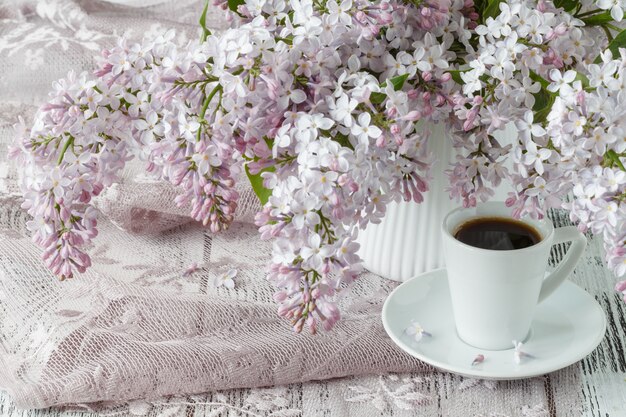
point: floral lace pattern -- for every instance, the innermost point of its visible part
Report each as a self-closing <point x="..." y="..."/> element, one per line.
<point x="42" y="40"/>
<point x="273" y="402"/>
<point x="404" y="395"/>
<point x="66" y="29"/>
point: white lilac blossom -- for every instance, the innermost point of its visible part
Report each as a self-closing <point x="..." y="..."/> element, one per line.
<point x="518" y="353"/>
<point x="226" y="279"/>
<point x="616" y="8"/>
<point x="578" y="152"/>
<point x="324" y="104"/>
<point x="416" y="331"/>
<point x="526" y="45"/>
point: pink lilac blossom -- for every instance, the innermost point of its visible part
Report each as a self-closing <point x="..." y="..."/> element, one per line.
<point x="584" y="134"/>
<point x="273" y="92"/>
<point x="480" y="358"/>
<point x="327" y="102"/>
<point x="577" y="149"/>
<point x="515" y="53"/>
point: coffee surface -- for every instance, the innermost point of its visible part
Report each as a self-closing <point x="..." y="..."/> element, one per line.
<point x="497" y="233"/>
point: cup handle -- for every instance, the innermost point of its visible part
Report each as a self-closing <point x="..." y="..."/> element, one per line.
<point x="568" y="263"/>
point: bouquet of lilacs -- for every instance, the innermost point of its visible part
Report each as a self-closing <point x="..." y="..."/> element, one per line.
<point x="541" y="70"/>
<point x="324" y="105"/>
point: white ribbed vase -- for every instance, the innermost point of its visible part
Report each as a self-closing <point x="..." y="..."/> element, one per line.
<point x="408" y="240"/>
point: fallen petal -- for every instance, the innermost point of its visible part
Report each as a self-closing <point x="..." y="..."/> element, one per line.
<point x="478" y="359"/>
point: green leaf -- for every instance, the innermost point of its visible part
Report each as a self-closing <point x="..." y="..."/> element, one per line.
<point x="456" y="76"/>
<point x="567" y="5"/>
<point x="288" y="40"/>
<point x="618" y="42"/>
<point x="479" y="6"/>
<point x="492" y="9"/>
<point x="397" y="82"/>
<point x="538" y="78"/>
<point x="583" y="79"/>
<point x="543" y="104"/>
<point x="542" y="115"/>
<point x="256" y="181"/>
<point x="234" y="4"/>
<point x="377" y="98"/>
<point x="343" y="140"/>
<point x="205" y="32"/>
<point x="544" y="99"/>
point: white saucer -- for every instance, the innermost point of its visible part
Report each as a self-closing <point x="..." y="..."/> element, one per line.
<point x="566" y="327"/>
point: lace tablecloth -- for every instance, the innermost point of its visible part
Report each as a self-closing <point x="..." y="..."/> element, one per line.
<point x="39" y="42"/>
<point x="595" y="386"/>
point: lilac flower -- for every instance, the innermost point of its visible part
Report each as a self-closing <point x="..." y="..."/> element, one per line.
<point x="615" y="6"/>
<point x="416" y="331"/>
<point x="206" y="160"/>
<point x="305" y="213"/>
<point x="518" y="353"/>
<point x="57" y="183"/>
<point x="617" y="259"/>
<point x="528" y="129"/>
<point x="149" y="127"/>
<point x="561" y="82"/>
<point x="310" y="125"/>
<point x="538" y="189"/>
<point x="338" y="12"/>
<point x="187" y="127"/>
<point x="40" y="226"/>
<point x="480" y="358"/>
<point x="306" y="96"/>
<point x="364" y="131"/>
<point x="226" y="279"/>
<point x="314" y="252"/>
<point x="191" y="269"/>
<point x="342" y="108"/>
<point x="535" y="156"/>
<point x="347" y="252"/>
<point x="233" y="84"/>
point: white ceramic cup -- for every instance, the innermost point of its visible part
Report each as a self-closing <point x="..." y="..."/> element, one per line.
<point x="494" y="292"/>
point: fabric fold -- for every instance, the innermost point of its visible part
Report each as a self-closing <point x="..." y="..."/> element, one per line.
<point x="136" y="326"/>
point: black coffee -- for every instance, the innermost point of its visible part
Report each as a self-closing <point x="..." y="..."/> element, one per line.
<point x="497" y="233"/>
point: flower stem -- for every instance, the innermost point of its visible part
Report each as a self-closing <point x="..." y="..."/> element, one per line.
<point x="589" y="13"/>
<point x="205" y="105"/>
<point x="614" y="157"/>
<point x="67" y="144"/>
<point x="612" y="27"/>
<point x="205" y="32"/>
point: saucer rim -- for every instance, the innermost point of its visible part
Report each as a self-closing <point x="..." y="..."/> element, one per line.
<point x="483" y="374"/>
